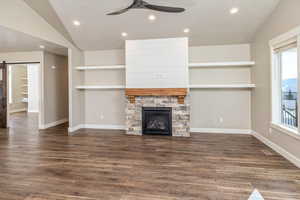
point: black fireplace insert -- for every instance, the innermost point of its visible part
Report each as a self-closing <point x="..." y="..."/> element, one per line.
<point x="157" y="121"/>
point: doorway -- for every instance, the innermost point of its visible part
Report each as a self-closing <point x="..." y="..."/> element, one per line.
<point x="23" y="95"/>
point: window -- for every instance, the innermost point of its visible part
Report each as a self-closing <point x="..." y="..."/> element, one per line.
<point x="285" y="85"/>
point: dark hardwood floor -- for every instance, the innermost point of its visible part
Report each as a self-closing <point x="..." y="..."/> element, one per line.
<point x="109" y="165"/>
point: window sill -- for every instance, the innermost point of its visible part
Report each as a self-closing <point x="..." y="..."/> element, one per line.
<point x="290" y="131"/>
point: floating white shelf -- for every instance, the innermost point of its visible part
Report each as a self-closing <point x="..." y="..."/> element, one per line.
<point x="228" y="86"/>
<point x="100" y="67"/>
<point x="222" y="64"/>
<point x="100" y="87"/>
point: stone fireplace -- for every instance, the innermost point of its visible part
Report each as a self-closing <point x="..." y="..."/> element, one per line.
<point x="179" y="114"/>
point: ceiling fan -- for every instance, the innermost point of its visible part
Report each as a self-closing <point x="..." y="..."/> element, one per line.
<point x="140" y="4"/>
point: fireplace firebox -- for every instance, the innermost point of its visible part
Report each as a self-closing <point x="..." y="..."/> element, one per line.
<point x="157" y="121"/>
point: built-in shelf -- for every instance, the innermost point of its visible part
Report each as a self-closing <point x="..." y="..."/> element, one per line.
<point x="213" y="86"/>
<point x="98" y="87"/>
<point x="227" y="86"/>
<point x="100" y="67"/>
<point x="25" y="93"/>
<point x="222" y="64"/>
<point x="191" y="65"/>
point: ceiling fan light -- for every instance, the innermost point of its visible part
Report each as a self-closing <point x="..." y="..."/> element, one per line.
<point x="152" y="17"/>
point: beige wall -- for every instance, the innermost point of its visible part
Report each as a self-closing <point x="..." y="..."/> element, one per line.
<point x="17" y="87"/>
<point x="284" y="18"/>
<point x="224" y="109"/>
<point x="55" y="87"/>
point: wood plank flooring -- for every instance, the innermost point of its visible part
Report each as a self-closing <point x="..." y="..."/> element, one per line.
<point x="109" y="165"/>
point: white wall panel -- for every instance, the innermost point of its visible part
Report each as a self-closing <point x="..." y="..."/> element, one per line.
<point x="159" y="63"/>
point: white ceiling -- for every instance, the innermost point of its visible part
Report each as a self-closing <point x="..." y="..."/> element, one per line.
<point x="209" y="21"/>
<point x="13" y="41"/>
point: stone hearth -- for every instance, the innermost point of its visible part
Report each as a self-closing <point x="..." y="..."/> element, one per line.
<point x="180" y="113"/>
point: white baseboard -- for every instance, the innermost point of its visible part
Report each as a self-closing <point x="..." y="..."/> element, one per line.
<point x="221" y="131"/>
<point x="33" y="111"/>
<point x="52" y="124"/>
<point x="74" y="128"/>
<point x="17" y="110"/>
<point x="293" y="159"/>
<point x="96" y="126"/>
<point x="104" y="127"/>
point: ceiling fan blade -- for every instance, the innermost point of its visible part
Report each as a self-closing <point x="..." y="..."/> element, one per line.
<point x="119" y="12"/>
<point x="125" y="9"/>
<point x="164" y="8"/>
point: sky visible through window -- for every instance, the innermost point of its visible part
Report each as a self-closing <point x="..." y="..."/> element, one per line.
<point x="289" y="64"/>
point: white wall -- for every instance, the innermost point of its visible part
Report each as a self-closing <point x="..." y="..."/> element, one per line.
<point x="285" y="17"/>
<point x="33" y="87"/>
<point x="157" y="63"/>
<point x="224" y="109"/>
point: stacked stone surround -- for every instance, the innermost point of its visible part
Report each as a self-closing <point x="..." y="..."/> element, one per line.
<point x="180" y="114"/>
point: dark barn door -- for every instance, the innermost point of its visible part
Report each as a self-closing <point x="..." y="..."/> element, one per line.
<point x="3" y="95"/>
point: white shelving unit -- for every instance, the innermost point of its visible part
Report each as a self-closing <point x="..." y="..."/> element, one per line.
<point x="100" y="67"/>
<point x="225" y="86"/>
<point x="100" y="87"/>
<point x="222" y="64"/>
<point x="191" y="66"/>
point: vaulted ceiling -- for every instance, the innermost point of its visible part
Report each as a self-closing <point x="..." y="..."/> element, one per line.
<point x="13" y="41"/>
<point x="209" y="21"/>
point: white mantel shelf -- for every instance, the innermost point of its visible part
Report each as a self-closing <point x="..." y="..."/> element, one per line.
<point x="227" y="86"/>
<point x="100" y="67"/>
<point x="222" y="64"/>
<point x="100" y="87"/>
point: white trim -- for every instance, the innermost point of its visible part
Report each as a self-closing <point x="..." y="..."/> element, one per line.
<point x="293" y="159"/>
<point x="97" y="126"/>
<point x="104" y="127"/>
<point x="286" y="36"/>
<point x="99" y="87"/>
<point x="222" y="64"/>
<point x="221" y="131"/>
<point x="17" y="110"/>
<point x="227" y="86"/>
<point x="52" y="124"/>
<point x="33" y="111"/>
<point x="290" y="131"/>
<point x="75" y="128"/>
<point x="100" y="67"/>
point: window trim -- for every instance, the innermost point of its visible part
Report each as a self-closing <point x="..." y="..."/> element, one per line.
<point x="274" y="44"/>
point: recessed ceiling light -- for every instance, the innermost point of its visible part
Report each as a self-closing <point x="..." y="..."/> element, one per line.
<point x="234" y="10"/>
<point x="42" y="46"/>
<point x="76" y="23"/>
<point x="186" y="30"/>
<point x="124" y="34"/>
<point x="152" y="17"/>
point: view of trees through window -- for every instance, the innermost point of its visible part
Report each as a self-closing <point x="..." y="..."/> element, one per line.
<point x="289" y="87"/>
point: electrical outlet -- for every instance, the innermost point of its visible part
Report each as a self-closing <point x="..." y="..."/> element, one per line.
<point x="101" y="116"/>
<point x="221" y="120"/>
